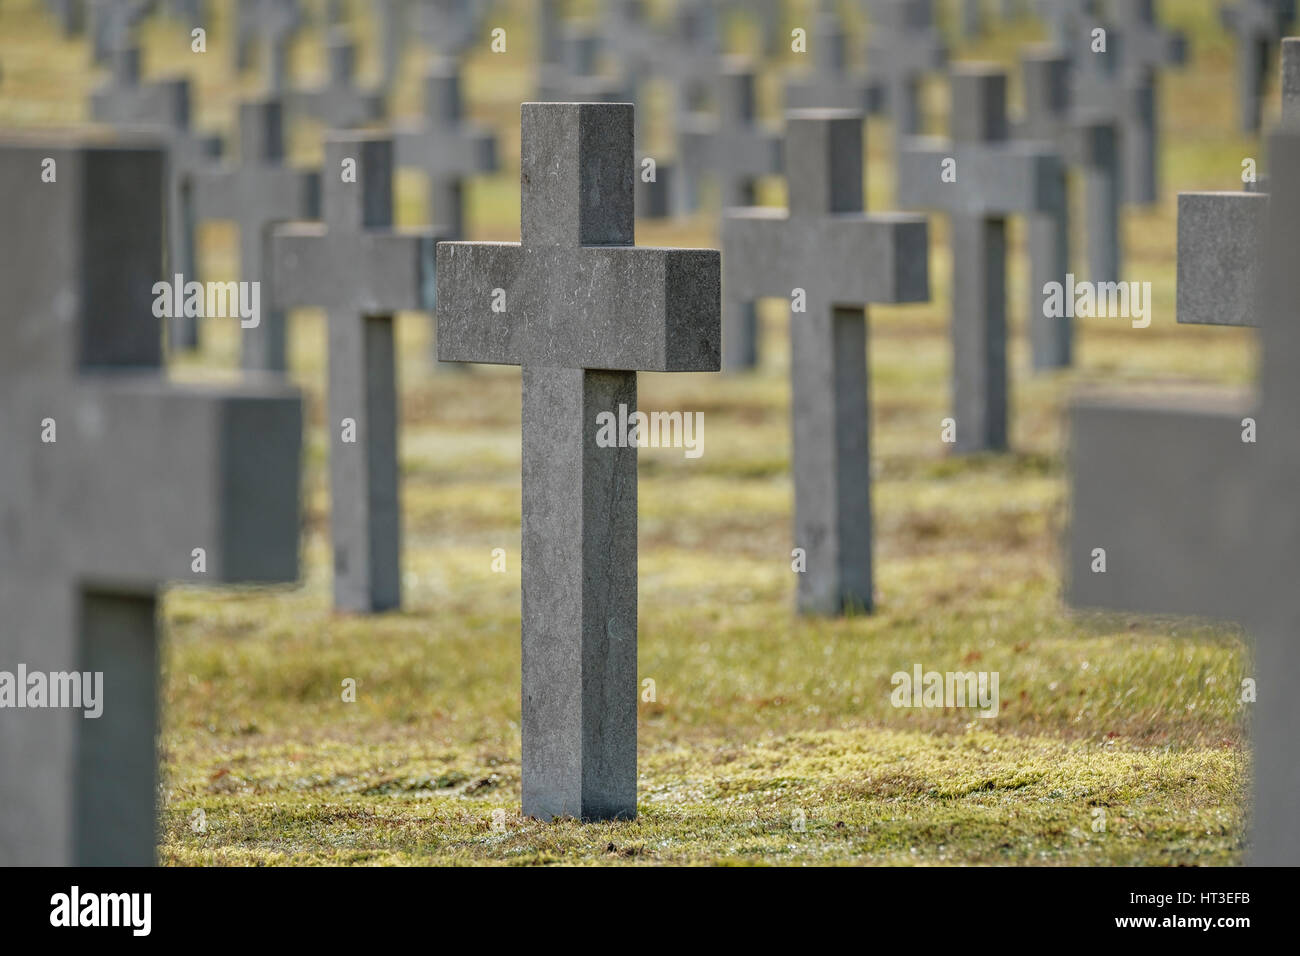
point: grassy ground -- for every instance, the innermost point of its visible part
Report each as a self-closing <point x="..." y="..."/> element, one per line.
<point x="771" y="738"/>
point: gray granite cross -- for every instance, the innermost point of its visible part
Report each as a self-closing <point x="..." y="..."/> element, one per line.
<point x="110" y="479"/>
<point x="732" y="146"/>
<point x="258" y="191"/>
<point x="445" y="146"/>
<point x="1065" y="22"/>
<point x="273" y="23"/>
<point x="1258" y="26"/>
<point x="113" y="24"/>
<point x="1123" y="83"/>
<point x="575" y="77"/>
<point x="1191" y="518"/>
<point x="340" y="103"/>
<point x="1219" y="233"/>
<point x="450" y="27"/>
<point x="360" y="271"/>
<point x="584" y="309"/>
<point x="70" y="15"/>
<point x="995" y="177"/>
<point x="1087" y="141"/>
<point x="843" y="259"/>
<point x="831" y="83"/>
<point x="904" y="45"/>
<point x="162" y="109"/>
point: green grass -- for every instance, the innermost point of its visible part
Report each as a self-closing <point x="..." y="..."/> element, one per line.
<point x="760" y="718"/>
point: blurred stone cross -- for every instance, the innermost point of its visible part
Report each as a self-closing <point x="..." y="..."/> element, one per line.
<point x="831" y="83"/>
<point x="1089" y="142"/>
<point x="1123" y="83"/>
<point x="581" y="309"/>
<point x="840" y="258"/>
<point x="979" y="178"/>
<point x="904" y="46"/>
<point x="360" y="271"/>
<point x="162" y="109"/>
<point x="340" y="103"/>
<point x="273" y="24"/>
<point x="112" y="483"/>
<point x="1186" y="507"/>
<point x="446" y="146"/>
<point x="1258" y="26"/>
<point x="733" y="147"/>
<point x="258" y="191"/>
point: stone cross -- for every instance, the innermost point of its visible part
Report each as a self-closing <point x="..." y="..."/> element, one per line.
<point x="273" y="23"/>
<point x="393" y="20"/>
<point x="831" y="83"/>
<point x="1124" y="83"/>
<point x="340" y="103"/>
<point x="113" y="24"/>
<point x="360" y="271"/>
<point x="626" y="30"/>
<point x="1064" y="22"/>
<point x="584" y="310"/>
<point x="575" y="77"/>
<point x="450" y="27"/>
<point x="258" y="191"/>
<point x="1220" y="233"/>
<point x="688" y="57"/>
<point x="733" y="147"/>
<point x="1089" y="142"/>
<point x="994" y="177"/>
<point x="842" y="259"/>
<point x="70" y="15"/>
<point x="903" y="47"/>
<point x="446" y="146"/>
<point x="162" y="109"/>
<point x="1258" y="25"/>
<point x="1190" y="506"/>
<point x="110" y="482"/>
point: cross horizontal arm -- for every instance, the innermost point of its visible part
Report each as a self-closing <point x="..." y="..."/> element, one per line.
<point x="280" y="192"/>
<point x="1164" y="489"/>
<point x="621" y="308"/>
<point x="860" y="259"/>
<point x="1000" y="179"/>
<point x="1219" y="237"/>
<point x="443" y="152"/>
<point x="149" y="471"/>
<point x="374" y="273"/>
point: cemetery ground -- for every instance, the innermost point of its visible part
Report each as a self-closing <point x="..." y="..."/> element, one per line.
<point x="770" y="738"/>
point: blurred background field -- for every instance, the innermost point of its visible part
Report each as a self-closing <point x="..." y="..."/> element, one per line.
<point x="763" y="723"/>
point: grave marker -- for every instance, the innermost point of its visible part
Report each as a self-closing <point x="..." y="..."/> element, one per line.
<point x="1194" y="520"/>
<point x="162" y="108"/>
<point x="994" y="177"/>
<point x="257" y="192"/>
<point x="1087" y="141"/>
<point x="831" y="83"/>
<point x="844" y="259"/>
<point x="96" y="522"/>
<point x="732" y="146"/>
<point x="446" y="147"/>
<point x="904" y="45"/>
<point x="360" y="271"/>
<point x="585" y="310"/>
<point x="340" y="103"/>
<point x="1258" y="25"/>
